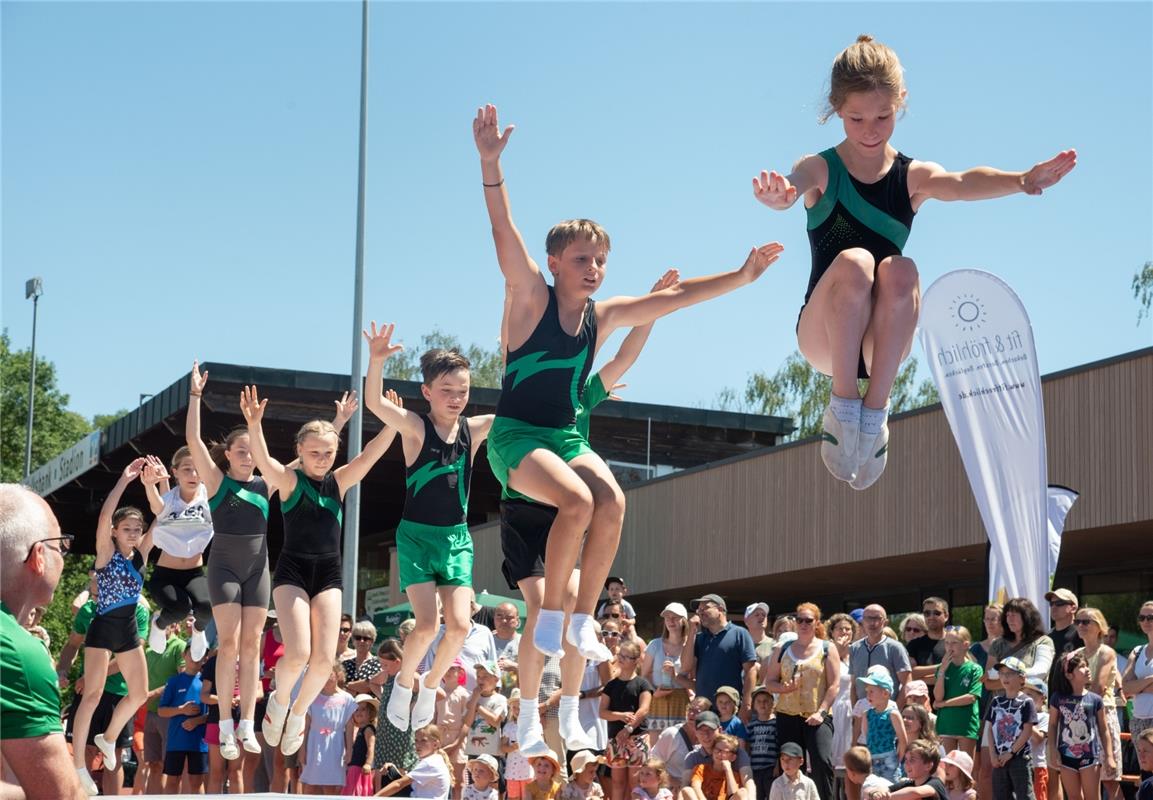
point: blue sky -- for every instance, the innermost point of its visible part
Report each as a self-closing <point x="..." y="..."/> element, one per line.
<point x="183" y="175"/>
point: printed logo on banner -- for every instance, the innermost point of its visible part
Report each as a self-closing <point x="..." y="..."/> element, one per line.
<point x="968" y="312"/>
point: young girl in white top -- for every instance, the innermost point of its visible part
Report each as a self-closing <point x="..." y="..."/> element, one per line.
<point x="431" y="777"/>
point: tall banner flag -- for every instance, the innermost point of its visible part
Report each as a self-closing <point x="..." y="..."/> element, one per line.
<point x="1061" y="499"/>
<point x="979" y="347"/>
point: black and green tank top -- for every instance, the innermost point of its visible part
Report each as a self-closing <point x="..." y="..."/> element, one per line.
<point x="545" y="377"/>
<point x="313" y="515"/>
<point x="436" y="485"/>
<point x="240" y="508"/>
<point x="874" y="216"/>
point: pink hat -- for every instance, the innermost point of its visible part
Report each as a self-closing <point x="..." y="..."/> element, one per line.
<point x="916" y="689"/>
<point x="961" y="760"/>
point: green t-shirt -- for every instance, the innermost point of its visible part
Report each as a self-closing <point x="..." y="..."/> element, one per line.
<point x="29" y="694"/>
<point x="961" y="720"/>
<point x="115" y="684"/>
<point x="162" y="666"/>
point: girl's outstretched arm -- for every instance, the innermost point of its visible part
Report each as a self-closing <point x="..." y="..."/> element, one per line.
<point x="104" y="543"/>
<point x="209" y="473"/>
<point x="354" y="471"/>
<point x="928" y="180"/>
<point x="279" y="477"/>
<point x="151" y="476"/>
<point x="779" y="192"/>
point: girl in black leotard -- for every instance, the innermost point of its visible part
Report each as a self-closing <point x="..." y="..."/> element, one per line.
<point x="861" y="306"/>
<point x="307" y="586"/>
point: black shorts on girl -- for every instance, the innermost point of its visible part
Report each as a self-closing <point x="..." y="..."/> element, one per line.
<point x="115" y="631"/>
<point x="313" y="574"/>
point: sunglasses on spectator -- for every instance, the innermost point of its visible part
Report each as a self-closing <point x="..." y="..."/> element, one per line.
<point x="805" y="620"/>
<point x="1084" y="621"/>
<point x="611" y="616"/>
<point x="362" y="638"/>
<point x="1061" y="603"/>
<point x="345" y="631"/>
<point x="610" y="634"/>
<point x="933" y="612"/>
<point x="65" y="544"/>
<point x="911" y="629"/>
<point x="1145" y="617"/>
<point x="952" y="628"/>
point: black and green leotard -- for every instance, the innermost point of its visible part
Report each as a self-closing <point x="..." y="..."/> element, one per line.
<point x="432" y="541"/>
<point x="238" y="560"/>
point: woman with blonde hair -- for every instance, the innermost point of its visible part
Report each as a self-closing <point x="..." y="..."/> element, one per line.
<point x="662" y="667"/>
<point x="1092" y="627"/>
<point x="806" y="674"/>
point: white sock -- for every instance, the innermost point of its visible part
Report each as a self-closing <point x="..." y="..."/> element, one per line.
<point x="847" y="410"/>
<point x="873" y="418"/>
<point x="582" y="634"/>
<point x="528" y="723"/>
<point x="226" y="728"/>
<point x="570" y="724"/>
<point x="244" y="730"/>
<point x="548" y="633"/>
<point x="425" y="708"/>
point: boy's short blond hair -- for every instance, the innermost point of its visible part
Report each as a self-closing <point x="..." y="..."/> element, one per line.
<point x="565" y="233"/>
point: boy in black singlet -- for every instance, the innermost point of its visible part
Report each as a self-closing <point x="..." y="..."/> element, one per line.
<point x="554" y="333"/>
<point x="433" y="545"/>
<point x="860" y="310"/>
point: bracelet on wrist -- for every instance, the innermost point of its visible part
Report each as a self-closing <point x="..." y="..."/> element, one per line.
<point x="492" y="185"/>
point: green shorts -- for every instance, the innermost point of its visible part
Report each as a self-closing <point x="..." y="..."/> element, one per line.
<point x="433" y="554"/>
<point x="510" y="440"/>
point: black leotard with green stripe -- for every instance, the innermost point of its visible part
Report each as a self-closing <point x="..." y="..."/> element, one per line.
<point x="874" y="216"/>
<point x="313" y="514"/>
<point x="240" y="508"/>
<point x="436" y="485"/>
<point x="545" y="377"/>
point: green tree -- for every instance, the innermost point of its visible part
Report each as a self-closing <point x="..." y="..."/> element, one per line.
<point x="54" y="427"/>
<point x="1143" y="290"/>
<point x="797" y="390"/>
<point x="487" y="365"/>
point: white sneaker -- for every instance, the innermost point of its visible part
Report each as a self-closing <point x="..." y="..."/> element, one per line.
<point x="293" y="734"/>
<point x="198" y="644"/>
<point x="107" y="749"/>
<point x="228" y="747"/>
<point x="839" y="446"/>
<point x="274" y="715"/>
<point x="874" y="453"/>
<point x="86" y="783"/>
<point x="248" y="740"/>
<point x="157" y="636"/>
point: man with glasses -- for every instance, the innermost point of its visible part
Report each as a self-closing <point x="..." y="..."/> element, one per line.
<point x="32" y="742"/>
<point x="926" y="652"/>
<point x="876" y="648"/>
<point x="677" y="741"/>
<point x="722" y="654"/>
<point x="1062" y="608"/>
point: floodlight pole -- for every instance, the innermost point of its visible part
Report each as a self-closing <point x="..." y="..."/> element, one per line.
<point x="33" y="288"/>
<point x="355" y="425"/>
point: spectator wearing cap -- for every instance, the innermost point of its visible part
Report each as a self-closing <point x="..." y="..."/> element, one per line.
<point x="806" y="675"/>
<point x="662" y="668"/>
<point x="486" y="712"/>
<point x="793" y="783"/>
<point x="876" y="648"/>
<point x="928" y="651"/>
<point x="858" y="615"/>
<point x="1063" y="606"/>
<point x="677" y="741"/>
<point x="726" y="703"/>
<point x="757" y="622"/>
<point x="1037" y="690"/>
<point x="722" y="654"/>
<point x="583" y="784"/>
<point x="616" y="589"/>
<point x="31" y="560"/>
<point x="708" y="727"/>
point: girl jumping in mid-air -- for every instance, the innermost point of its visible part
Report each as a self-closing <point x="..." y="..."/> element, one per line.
<point x="861" y="306"/>
<point x="307" y="584"/>
<point x="121" y="551"/>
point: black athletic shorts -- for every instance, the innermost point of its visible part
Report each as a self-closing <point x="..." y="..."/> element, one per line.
<point x="524" y="527"/>
<point x="174" y="761"/>
<point x="313" y="574"/>
<point x="115" y="631"/>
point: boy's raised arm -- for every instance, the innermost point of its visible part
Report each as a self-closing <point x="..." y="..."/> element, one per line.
<point x="520" y="271"/>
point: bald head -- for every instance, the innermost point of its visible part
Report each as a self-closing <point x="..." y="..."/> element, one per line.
<point x="30" y="564"/>
<point x="873" y="621"/>
<point x="507" y="620"/>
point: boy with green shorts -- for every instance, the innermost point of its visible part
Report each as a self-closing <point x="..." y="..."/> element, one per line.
<point x="554" y="333"/>
<point x="433" y="545"/>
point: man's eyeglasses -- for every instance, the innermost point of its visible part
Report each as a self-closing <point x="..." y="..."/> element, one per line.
<point x="933" y="612"/>
<point x="873" y="618"/>
<point x="65" y="544"/>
